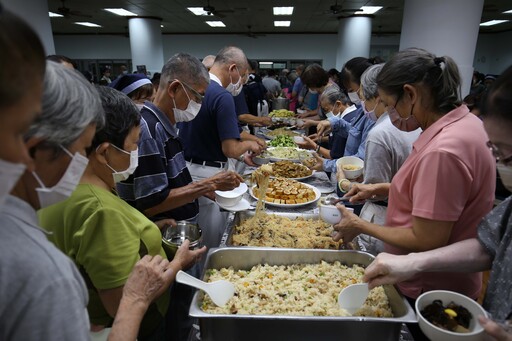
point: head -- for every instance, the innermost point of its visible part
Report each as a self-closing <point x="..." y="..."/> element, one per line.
<point x="208" y="61"/>
<point x="231" y="66"/>
<point x="58" y="138"/>
<point x="183" y="80"/>
<point x="368" y="92"/>
<point x="489" y="80"/>
<point x="105" y="71"/>
<point x="418" y="85"/>
<point x="252" y="66"/>
<point x="137" y="87"/>
<point x="352" y="71"/>
<point x="109" y="153"/>
<point x="68" y="62"/>
<point x="334" y="101"/>
<point x="315" y="78"/>
<point x="299" y="69"/>
<point x="334" y="75"/>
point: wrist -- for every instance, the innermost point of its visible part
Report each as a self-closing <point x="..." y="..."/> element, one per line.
<point x="317" y="148"/>
<point x="175" y="265"/>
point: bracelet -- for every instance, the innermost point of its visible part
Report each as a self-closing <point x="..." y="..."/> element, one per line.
<point x="340" y="185"/>
<point x="317" y="148"/>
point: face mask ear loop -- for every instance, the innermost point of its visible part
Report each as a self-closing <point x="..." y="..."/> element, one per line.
<point x="38" y="179"/>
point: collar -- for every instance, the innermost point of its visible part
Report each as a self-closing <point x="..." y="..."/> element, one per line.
<point x="164" y="120"/>
<point x="348" y="110"/>
<point x="382" y="118"/>
<point x="429" y="133"/>
<point x="19" y="209"/>
<point x="215" y="79"/>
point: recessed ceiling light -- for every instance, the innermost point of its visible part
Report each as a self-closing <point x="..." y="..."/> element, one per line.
<point x="162" y="26"/>
<point x="197" y="10"/>
<point x="54" y="15"/>
<point x="86" y="23"/>
<point x="283" y="10"/>
<point x="369" y="9"/>
<point x="282" y="23"/>
<point x="493" y="22"/>
<point x="120" y="11"/>
<point x="216" y="23"/>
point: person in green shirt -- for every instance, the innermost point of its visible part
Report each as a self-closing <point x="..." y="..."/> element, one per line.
<point x="103" y="234"/>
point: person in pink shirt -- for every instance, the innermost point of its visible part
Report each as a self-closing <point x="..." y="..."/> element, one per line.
<point x="446" y="185"/>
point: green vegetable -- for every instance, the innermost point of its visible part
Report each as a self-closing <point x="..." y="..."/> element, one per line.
<point x="282" y="141"/>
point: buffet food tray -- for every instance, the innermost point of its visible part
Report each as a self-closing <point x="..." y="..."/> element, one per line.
<point x="276" y="327"/>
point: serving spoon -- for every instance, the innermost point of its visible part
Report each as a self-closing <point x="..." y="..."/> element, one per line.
<point x="219" y="291"/>
<point x="352" y="297"/>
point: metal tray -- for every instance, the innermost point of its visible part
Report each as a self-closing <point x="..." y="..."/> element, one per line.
<point x="272" y="327"/>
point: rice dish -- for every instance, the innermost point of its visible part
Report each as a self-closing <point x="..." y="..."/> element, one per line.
<point x="294" y="290"/>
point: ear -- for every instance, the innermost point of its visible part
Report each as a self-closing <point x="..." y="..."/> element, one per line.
<point x="172" y="88"/>
<point x="31" y="145"/>
<point x="101" y="152"/>
<point x="411" y="93"/>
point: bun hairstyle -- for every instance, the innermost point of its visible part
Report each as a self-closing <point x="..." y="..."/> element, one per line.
<point x="354" y="68"/>
<point x="438" y="75"/>
<point x="499" y="102"/>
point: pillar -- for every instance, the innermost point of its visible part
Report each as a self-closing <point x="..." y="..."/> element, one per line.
<point x="354" y="36"/>
<point x="35" y="13"/>
<point x="146" y="43"/>
<point x="445" y="28"/>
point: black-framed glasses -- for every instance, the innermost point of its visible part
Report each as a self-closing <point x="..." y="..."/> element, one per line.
<point x="197" y="96"/>
<point x="496" y="152"/>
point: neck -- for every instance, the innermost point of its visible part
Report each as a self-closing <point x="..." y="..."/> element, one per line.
<point x="217" y="71"/>
<point x="163" y="102"/>
<point x="24" y="191"/>
<point x="94" y="175"/>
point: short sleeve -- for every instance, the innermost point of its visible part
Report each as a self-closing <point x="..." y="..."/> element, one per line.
<point x="108" y="250"/>
<point x="441" y="185"/>
<point x="377" y="165"/>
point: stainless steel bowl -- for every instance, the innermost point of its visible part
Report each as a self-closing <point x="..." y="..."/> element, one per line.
<point x="173" y="237"/>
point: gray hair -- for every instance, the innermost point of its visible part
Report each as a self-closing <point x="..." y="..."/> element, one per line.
<point x="232" y="55"/>
<point x="69" y="105"/>
<point x="369" y="81"/>
<point x="185" y="68"/>
<point x="333" y="94"/>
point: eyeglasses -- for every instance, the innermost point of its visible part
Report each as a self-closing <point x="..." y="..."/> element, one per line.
<point x="496" y="152"/>
<point x="197" y="96"/>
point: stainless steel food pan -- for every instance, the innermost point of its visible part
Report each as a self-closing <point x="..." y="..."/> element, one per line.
<point x="271" y="327"/>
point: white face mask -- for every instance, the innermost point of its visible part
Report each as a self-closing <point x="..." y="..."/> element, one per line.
<point x="235" y="89"/>
<point x="188" y="114"/>
<point x="134" y="163"/>
<point x="10" y="173"/>
<point x="354" y="98"/>
<point x="66" y="185"/>
<point x="505" y="175"/>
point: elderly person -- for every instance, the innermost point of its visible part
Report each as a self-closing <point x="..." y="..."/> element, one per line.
<point x="136" y="86"/>
<point x="446" y="185"/>
<point x="214" y="136"/>
<point x="387" y="148"/>
<point x="100" y="231"/>
<point x="491" y="249"/>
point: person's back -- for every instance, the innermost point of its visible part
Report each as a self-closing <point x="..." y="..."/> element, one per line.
<point x="254" y="95"/>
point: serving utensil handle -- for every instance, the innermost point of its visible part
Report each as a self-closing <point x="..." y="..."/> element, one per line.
<point x="185" y="278"/>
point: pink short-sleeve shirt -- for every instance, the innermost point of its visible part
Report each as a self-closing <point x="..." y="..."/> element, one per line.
<point x="450" y="175"/>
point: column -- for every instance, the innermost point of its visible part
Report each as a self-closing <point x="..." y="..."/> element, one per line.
<point x="445" y="28"/>
<point x="354" y="35"/>
<point x="146" y="43"/>
<point x="35" y="13"/>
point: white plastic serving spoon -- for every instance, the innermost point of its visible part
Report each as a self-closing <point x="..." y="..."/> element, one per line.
<point x="352" y="297"/>
<point x="219" y="291"/>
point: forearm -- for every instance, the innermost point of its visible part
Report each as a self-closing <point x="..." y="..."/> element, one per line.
<point x="245" y="136"/>
<point x="249" y="119"/>
<point x="128" y="319"/>
<point x="234" y="148"/>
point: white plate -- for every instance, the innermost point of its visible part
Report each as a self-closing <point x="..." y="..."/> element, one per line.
<point x="275" y="158"/>
<point x="317" y="196"/>
<point x="242" y="205"/>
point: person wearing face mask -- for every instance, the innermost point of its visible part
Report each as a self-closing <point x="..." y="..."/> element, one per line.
<point x="214" y="136"/>
<point x="491" y="248"/>
<point x="446" y="185"/>
<point x="102" y="233"/>
<point x="317" y="80"/>
<point x="136" y="86"/>
<point x="387" y="148"/>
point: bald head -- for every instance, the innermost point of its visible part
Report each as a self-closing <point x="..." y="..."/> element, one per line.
<point x="232" y="55"/>
<point x="208" y="61"/>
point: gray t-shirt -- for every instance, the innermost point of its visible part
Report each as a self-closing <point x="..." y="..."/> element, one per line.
<point x="495" y="235"/>
<point x="42" y="294"/>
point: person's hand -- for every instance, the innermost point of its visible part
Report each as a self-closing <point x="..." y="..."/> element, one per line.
<point x="360" y="192"/>
<point x="319" y="164"/>
<point x="307" y="144"/>
<point x="347" y="227"/>
<point x="164" y="223"/>
<point x="265" y="121"/>
<point x="308" y="123"/>
<point x="389" y="269"/>
<point x="262" y="143"/>
<point x="255" y="147"/>
<point x="323" y="127"/>
<point x="185" y="257"/>
<point x="226" y="180"/>
<point x="494" y="330"/>
<point x="148" y="280"/>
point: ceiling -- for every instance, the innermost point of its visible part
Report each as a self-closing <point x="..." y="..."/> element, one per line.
<point x="245" y="17"/>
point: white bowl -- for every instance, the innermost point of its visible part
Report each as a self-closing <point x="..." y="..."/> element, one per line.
<point x="351" y="160"/>
<point x="298" y="139"/>
<point x="231" y="198"/>
<point x="330" y="213"/>
<point x="440" y="334"/>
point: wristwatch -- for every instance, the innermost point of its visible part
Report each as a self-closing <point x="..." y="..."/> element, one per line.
<point x="317" y="148"/>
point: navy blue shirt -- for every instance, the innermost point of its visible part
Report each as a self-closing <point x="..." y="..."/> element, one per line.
<point x="216" y="121"/>
<point x="162" y="167"/>
<point x="240" y="108"/>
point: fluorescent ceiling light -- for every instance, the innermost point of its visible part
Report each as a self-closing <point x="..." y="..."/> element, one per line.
<point x="282" y="23"/>
<point x="266" y="63"/>
<point x="197" y="10"/>
<point x="216" y="23"/>
<point x="493" y="22"/>
<point x="369" y="9"/>
<point x="508" y="12"/>
<point x="86" y="23"/>
<point x="283" y="10"/>
<point x="120" y="11"/>
<point x="54" y="15"/>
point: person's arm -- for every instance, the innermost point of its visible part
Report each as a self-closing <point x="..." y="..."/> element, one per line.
<point x="464" y="256"/>
<point x="246" y="136"/>
<point x="255" y="120"/>
<point x="234" y="148"/>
